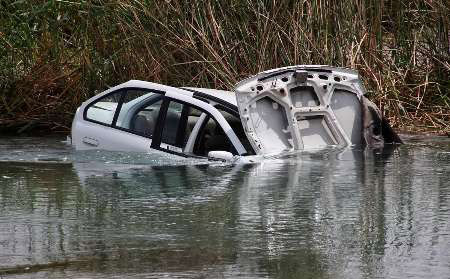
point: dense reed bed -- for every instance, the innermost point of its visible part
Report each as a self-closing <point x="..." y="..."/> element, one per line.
<point x="55" y="54"/>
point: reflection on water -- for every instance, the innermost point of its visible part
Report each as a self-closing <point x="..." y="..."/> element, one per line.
<point x="325" y="214"/>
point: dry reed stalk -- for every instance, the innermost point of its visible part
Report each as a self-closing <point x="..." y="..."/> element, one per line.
<point x="54" y="55"/>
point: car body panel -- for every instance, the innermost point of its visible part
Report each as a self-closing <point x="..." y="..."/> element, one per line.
<point x="97" y="125"/>
<point x="301" y="107"/>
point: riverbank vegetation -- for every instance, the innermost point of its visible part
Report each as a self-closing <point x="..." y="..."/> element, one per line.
<point x="56" y="54"/>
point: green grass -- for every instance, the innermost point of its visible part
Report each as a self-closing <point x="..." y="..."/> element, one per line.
<point x="56" y="54"/>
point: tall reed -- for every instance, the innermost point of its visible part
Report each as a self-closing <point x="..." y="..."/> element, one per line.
<point x="55" y="54"/>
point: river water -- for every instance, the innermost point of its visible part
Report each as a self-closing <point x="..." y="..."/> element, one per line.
<point x="324" y="214"/>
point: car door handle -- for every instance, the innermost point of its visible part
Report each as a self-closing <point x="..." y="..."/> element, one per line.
<point x="90" y="141"/>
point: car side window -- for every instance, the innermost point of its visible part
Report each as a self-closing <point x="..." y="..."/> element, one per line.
<point x="103" y="110"/>
<point x="144" y="120"/>
<point x="172" y="124"/>
<point x="212" y="138"/>
<point x="139" y="112"/>
<point x="127" y="106"/>
<point x="179" y="123"/>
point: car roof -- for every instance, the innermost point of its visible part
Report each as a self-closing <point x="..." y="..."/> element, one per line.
<point x="147" y="84"/>
<point x="227" y="96"/>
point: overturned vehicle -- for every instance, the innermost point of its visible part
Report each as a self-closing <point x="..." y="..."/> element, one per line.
<point x="276" y="111"/>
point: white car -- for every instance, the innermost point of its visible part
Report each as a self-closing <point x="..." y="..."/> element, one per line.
<point x="280" y="110"/>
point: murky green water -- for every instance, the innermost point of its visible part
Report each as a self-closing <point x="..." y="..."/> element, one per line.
<point x="325" y="214"/>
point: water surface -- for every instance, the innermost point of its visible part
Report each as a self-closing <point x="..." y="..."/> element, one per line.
<point x="324" y="214"/>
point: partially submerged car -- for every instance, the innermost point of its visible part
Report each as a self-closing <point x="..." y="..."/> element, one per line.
<point x="280" y="110"/>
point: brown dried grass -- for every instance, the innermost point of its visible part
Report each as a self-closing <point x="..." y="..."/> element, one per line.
<point x="54" y="55"/>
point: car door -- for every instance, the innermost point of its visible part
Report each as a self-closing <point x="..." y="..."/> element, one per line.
<point x="135" y="119"/>
<point x="123" y="120"/>
<point x="189" y="128"/>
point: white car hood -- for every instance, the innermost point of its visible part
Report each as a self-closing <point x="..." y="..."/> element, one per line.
<point x="301" y="107"/>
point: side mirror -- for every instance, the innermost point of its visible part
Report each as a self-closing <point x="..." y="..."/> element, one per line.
<point x="220" y="155"/>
